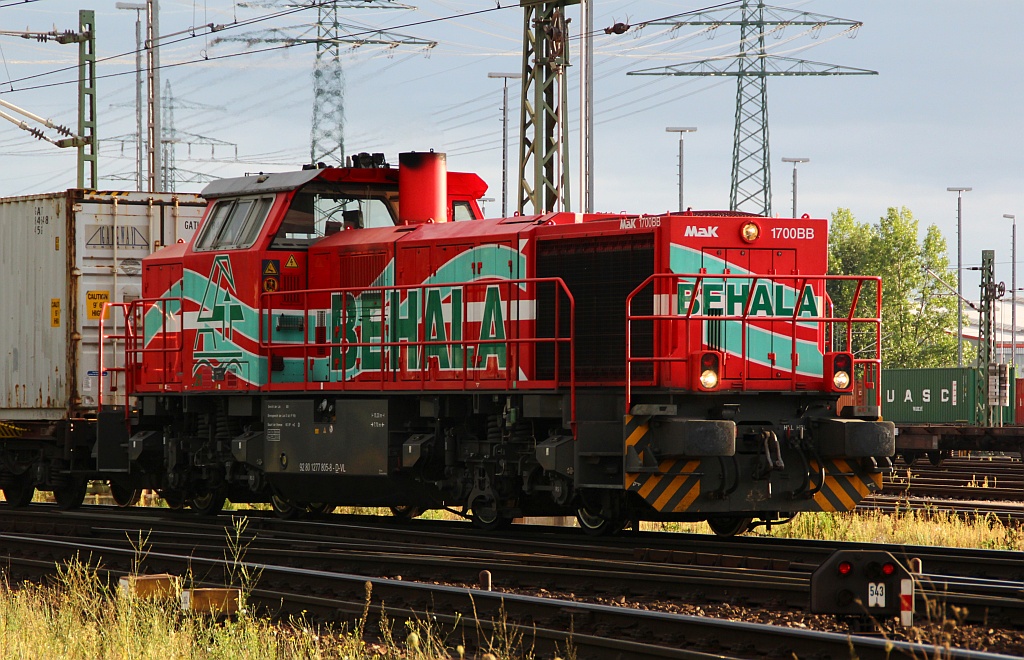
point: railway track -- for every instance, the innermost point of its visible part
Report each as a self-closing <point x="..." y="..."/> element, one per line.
<point x="436" y="567"/>
<point x="997" y="478"/>
<point x="970" y="487"/>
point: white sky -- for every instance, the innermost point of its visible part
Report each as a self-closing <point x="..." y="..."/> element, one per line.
<point x="945" y="109"/>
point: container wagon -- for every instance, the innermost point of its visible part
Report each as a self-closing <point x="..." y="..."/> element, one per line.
<point x="63" y="256"/>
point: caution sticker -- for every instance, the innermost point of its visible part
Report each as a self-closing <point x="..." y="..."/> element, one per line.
<point x="54" y="312"/>
<point x="270" y="284"/>
<point x="271" y="266"/>
<point x="94" y="304"/>
<point x="291" y="263"/>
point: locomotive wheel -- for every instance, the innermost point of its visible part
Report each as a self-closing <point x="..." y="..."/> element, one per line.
<point x="320" y="508"/>
<point x="406" y="512"/>
<point x="208" y="504"/>
<point x="71" y="495"/>
<point x="597" y="525"/>
<point x="124" y="496"/>
<point x="174" y="499"/>
<point x="729" y="525"/>
<point x="485" y="515"/>
<point x="19" y="494"/>
<point x="284" y="509"/>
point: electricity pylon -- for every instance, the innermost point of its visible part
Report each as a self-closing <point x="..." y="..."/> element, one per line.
<point x="544" y="124"/>
<point x="750" y="187"/>
<point x="327" y="135"/>
<point x="172" y="137"/>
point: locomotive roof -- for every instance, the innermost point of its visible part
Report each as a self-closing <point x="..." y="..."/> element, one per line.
<point x="260" y="183"/>
<point x="459" y="183"/>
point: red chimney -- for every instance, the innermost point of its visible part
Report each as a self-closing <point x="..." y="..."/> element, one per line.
<point x="422" y="188"/>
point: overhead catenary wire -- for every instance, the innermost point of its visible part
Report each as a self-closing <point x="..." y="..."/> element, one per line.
<point x="212" y="28"/>
<point x="464" y="113"/>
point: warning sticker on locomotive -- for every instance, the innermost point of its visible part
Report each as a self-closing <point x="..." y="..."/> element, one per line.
<point x="271" y="275"/>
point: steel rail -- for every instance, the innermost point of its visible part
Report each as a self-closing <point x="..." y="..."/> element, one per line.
<point x="577" y="623"/>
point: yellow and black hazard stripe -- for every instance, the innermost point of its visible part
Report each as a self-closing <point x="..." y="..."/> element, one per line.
<point x="674" y="489"/>
<point x="668" y="486"/>
<point x="11" y="431"/>
<point x="93" y="194"/>
<point x="845" y="485"/>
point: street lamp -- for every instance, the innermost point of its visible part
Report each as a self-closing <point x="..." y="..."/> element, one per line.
<point x="795" y="161"/>
<point x="681" y="130"/>
<point x="504" y="137"/>
<point x="1013" y="286"/>
<point x="959" y="273"/>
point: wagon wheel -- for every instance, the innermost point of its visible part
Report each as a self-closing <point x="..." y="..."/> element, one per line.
<point x="597" y="525"/>
<point x="175" y="499"/>
<point x="729" y="525"/>
<point x="406" y="511"/>
<point x="124" y="496"/>
<point x="284" y="509"/>
<point x="909" y="456"/>
<point x="19" y="492"/>
<point x="208" y="504"/>
<point x="70" y="495"/>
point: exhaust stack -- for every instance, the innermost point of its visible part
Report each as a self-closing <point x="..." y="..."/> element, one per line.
<point x="422" y="188"/>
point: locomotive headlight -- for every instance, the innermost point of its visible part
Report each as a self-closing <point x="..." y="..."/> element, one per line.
<point x="750" y="232"/>
<point x="707" y="365"/>
<point x="839" y="370"/>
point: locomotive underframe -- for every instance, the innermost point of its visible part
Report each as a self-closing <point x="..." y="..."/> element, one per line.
<point x="493" y="455"/>
<point x="735" y="457"/>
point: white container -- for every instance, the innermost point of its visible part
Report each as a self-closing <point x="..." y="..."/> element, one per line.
<point x="59" y="261"/>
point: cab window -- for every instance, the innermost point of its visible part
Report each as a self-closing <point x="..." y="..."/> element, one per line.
<point x="462" y="211"/>
<point x="321" y="210"/>
<point x="234" y="223"/>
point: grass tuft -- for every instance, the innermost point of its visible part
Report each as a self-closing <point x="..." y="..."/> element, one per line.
<point x="912" y="527"/>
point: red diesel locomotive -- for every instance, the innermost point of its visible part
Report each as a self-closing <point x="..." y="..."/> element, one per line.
<point x="362" y="336"/>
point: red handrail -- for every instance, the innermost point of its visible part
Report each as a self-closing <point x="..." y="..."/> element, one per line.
<point x="131" y="313"/>
<point x="512" y="290"/>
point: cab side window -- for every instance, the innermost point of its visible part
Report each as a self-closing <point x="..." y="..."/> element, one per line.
<point x="317" y="211"/>
<point x="234" y="223"/>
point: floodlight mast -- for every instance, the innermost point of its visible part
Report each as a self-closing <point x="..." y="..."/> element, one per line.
<point x="795" y="161"/>
<point x="504" y="136"/>
<point x="681" y="130"/>
<point x="959" y="272"/>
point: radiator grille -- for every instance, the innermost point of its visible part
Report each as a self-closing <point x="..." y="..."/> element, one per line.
<point x="600" y="272"/>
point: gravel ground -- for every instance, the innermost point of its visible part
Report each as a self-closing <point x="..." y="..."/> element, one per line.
<point x="948" y="632"/>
